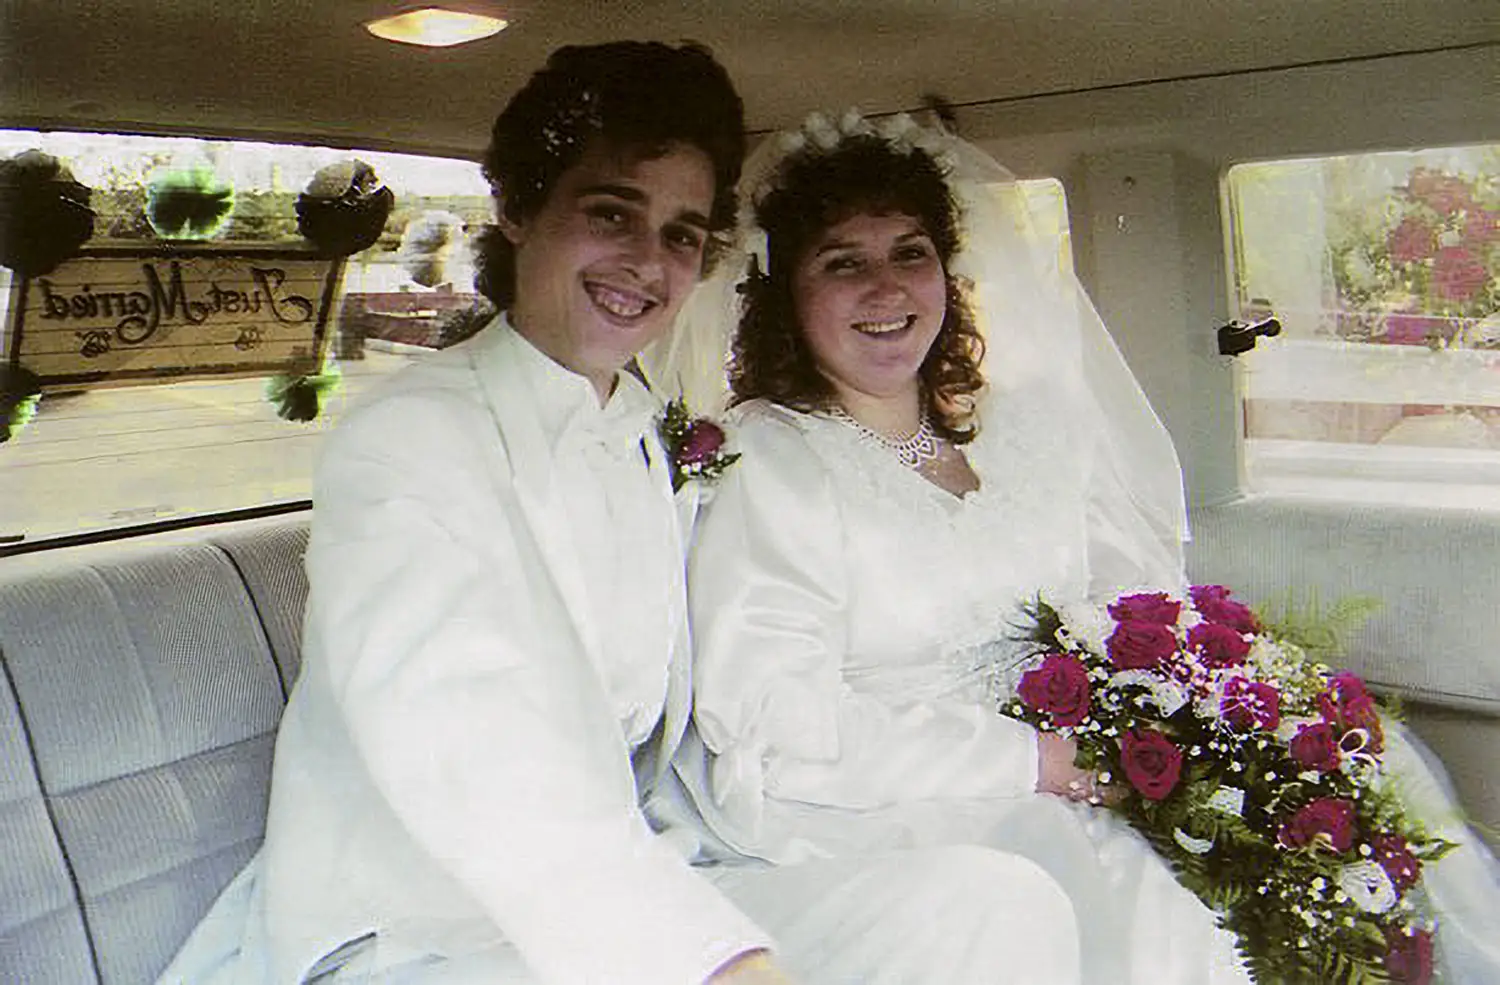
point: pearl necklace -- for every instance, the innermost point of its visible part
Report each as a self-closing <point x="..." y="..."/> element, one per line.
<point x="913" y="451"/>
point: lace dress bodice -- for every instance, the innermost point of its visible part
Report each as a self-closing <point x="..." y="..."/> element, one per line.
<point x="933" y="576"/>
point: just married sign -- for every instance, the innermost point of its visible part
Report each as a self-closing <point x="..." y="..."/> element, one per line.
<point x="116" y="316"/>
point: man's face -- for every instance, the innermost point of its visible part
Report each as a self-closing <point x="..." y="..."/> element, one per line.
<point x="604" y="265"/>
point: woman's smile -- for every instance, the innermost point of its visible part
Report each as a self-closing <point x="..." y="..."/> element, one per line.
<point x="886" y="327"/>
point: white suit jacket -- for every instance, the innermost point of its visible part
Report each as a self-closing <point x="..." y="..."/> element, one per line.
<point x="449" y="772"/>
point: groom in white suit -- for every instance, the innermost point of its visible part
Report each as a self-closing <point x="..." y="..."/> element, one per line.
<point x="495" y="667"/>
<point x="496" y="619"/>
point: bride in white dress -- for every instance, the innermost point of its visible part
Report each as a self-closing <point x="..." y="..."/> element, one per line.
<point x="860" y="565"/>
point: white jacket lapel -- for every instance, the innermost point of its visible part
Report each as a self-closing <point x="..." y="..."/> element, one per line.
<point x="509" y="396"/>
<point x="679" y="681"/>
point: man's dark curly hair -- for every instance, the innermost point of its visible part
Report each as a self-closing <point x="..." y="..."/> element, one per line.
<point x="638" y="96"/>
<point x="816" y="190"/>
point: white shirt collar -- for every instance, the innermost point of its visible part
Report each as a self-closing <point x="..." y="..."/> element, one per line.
<point x="566" y="402"/>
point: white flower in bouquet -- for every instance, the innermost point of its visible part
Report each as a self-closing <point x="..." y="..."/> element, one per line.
<point x="1292" y="724"/>
<point x="1087" y="623"/>
<point x="1166" y="695"/>
<point x="1368" y="886"/>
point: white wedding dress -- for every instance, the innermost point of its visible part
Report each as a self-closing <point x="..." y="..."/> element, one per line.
<point x="839" y="601"/>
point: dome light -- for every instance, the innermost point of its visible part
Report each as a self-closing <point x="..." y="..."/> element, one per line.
<point x="434" y="27"/>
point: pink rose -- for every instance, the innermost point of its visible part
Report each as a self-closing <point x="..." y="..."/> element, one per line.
<point x="1248" y="705"/>
<point x="1327" y="822"/>
<point x="1480" y="226"/>
<point x="1408" y="956"/>
<point x="1140" y="645"/>
<point x="1421" y="182"/>
<point x="700" y="443"/>
<point x="1217" y="644"/>
<point x="1457" y="274"/>
<point x="1410" y="241"/>
<point x="1059" y="688"/>
<point x="1157" y="607"/>
<point x="1413" y="328"/>
<point x="1316" y="747"/>
<point x="1151" y="762"/>
<point x="1215" y="604"/>
<point x="1445" y="194"/>
<point x="1395" y="857"/>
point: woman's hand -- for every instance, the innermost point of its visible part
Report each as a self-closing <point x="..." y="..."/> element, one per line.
<point x="1057" y="775"/>
<point x="750" y="968"/>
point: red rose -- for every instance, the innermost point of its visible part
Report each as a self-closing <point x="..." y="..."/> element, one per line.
<point x="1327" y="822"/>
<point x="1410" y="241"/>
<point x="1215" y="604"/>
<point x="1362" y="713"/>
<point x="1250" y="705"/>
<point x="700" y="443"/>
<point x="1395" y="857"/>
<point x="1217" y="644"/>
<point x="1347" y="705"/>
<point x="1157" y="607"/>
<point x="1408" y="956"/>
<point x="1152" y="763"/>
<point x="1140" y="645"/>
<point x="1316" y="747"/>
<point x="1458" y="274"/>
<point x="1345" y="685"/>
<point x="1059" y="688"/>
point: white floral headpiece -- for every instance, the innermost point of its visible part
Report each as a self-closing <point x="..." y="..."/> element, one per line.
<point x="820" y="135"/>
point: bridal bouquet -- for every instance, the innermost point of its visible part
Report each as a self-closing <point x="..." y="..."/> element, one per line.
<point x="1253" y="769"/>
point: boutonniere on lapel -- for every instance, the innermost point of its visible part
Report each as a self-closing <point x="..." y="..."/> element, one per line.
<point x="695" y="445"/>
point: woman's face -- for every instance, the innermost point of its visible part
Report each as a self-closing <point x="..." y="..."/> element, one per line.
<point x="870" y="295"/>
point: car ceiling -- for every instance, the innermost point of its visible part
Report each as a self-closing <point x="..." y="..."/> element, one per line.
<point x="306" y="69"/>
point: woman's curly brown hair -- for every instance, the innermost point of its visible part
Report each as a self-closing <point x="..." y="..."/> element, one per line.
<point x="816" y="190"/>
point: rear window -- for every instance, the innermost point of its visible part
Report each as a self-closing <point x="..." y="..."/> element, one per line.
<point x="195" y="430"/>
<point x="1384" y="271"/>
<point x="194" y="427"/>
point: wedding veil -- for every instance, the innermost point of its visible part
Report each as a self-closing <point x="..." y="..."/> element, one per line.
<point x="1040" y="330"/>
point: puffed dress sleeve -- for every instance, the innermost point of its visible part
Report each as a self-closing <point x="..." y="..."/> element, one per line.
<point x="770" y="585"/>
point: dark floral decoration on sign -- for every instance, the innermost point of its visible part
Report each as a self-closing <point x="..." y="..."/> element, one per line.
<point x="695" y="445"/>
<point x="344" y="208"/>
<point x="301" y="398"/>
<point x="191" y="204"/>
<point x="19" y="394"/>
<point x="44" y="213"/>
